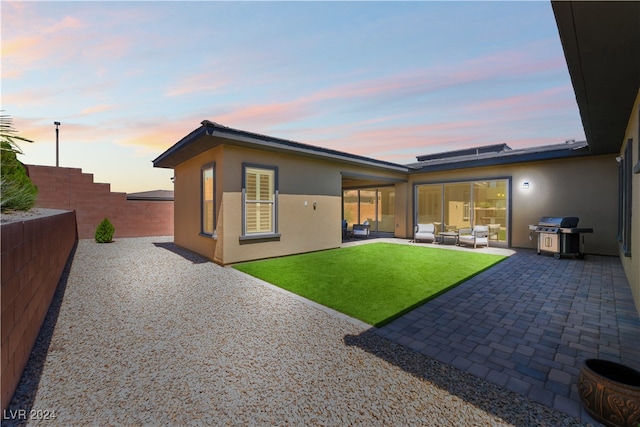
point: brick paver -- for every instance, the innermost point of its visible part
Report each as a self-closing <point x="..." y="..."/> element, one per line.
<point x="528" y="324"/>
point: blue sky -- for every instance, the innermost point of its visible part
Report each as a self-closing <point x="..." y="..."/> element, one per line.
<point x="387" y="80"/>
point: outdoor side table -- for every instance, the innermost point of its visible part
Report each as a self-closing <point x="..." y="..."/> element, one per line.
<point x="451" y="236"/>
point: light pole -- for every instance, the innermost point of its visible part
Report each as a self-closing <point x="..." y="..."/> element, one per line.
<point x="57" y="150"/>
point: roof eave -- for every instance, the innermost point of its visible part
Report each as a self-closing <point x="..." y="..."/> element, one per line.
<point x="211" y="135"/>
<point x="600" y="42"/>
<point x="170" y="159"/>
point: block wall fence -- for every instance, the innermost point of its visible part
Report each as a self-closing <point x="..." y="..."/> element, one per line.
<point x="34" y="254"/>
<point x="71" y="189"/>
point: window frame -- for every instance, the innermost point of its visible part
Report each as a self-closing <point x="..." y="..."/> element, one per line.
<point x="273" y="234"/>
<point x="508" y="179"/>
<point x="625" y="200"/>
<point x="203" y="231"/>
<point x="636" y="168"/>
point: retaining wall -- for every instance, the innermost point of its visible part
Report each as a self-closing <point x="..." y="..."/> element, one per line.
<point x="70" y="188"/>
<point x="34" y="253"/>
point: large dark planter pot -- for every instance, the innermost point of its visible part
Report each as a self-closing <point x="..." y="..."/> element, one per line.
<point x="610" y="392"/>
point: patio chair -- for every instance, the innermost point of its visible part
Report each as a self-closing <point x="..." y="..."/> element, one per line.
<point x="424" y="232"/>
<point x="494" y="229"/>
<point x="479" y="236"/>
<point x="345" y="230"/>
<point x="361" y="230"/>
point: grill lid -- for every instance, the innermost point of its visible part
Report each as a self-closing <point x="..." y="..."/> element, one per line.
<point x="559" y="221"/>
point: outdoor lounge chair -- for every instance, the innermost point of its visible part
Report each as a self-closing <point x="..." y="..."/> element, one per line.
<point x="361" y="230"/>
<point x="479" y="236"/>
<point x="494" y="229"/>
<point x="425" y="232"/>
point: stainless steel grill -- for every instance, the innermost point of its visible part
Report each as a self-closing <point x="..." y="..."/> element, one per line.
<point x="560" y="236"/>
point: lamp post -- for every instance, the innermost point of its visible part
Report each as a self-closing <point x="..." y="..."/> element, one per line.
<point x="57" y="150"/>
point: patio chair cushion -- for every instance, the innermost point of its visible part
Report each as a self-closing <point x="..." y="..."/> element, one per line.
<point x="479" y="236"/>
<point x="425" y="232"/>
<point x="361" y="230"/>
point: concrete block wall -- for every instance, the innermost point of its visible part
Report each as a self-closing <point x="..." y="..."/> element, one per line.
<point x="34" y="254"/>
<point x="70" y="188"/>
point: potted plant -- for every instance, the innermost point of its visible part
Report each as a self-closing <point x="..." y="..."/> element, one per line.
<point x="610" y="392"/>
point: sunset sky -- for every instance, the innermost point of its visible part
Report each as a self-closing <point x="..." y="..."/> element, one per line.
<point x="386" y="80"/>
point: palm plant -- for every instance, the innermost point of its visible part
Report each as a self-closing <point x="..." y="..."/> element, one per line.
<point x="17" y="192"/>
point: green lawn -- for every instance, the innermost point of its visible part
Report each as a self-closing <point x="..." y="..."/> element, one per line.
<point x="375" y="283"/>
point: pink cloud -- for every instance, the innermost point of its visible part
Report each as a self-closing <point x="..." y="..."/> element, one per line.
<point x="39" y="45"/>
<point x="198" y="83"/>
<point x="548" y="98"/>
<point x="147" y="136"/>
<point x="266" y="115"/>
<point x="498" y="66"/>
<point x="98" y="109"/>
<point x="52" y="95"/>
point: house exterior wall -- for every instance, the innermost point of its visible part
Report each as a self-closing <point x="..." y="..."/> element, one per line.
<point x="630" y="263"/>
<point x="187" y="202"/>
<point x="301" y="227"/>
<point x="302" y="182"/>
<point x="586" y="187"/>
<point x="404" y="220"/>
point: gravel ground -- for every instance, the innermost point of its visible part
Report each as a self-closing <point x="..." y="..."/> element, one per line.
<point x="144" y="333"/>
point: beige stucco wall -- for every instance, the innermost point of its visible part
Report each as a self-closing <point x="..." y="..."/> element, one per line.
<point x="187" y="203"/>
<point x="302" y="182"/>
<point x="586" y="187"/>
<point x="404" y="218"/>
<point x="301" y="228"/>
<point x="631" y="264"/>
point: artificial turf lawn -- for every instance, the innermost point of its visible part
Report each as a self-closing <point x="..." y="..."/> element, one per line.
<point x="375" y="283"/>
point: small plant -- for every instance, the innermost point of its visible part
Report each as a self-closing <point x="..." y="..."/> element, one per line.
<point x="104" y="232"/>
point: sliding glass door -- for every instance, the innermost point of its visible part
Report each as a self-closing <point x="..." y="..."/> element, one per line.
<point x="386" y="209"/>
<point x="374" y="205"/>
<point x="490" y="207"/>
<point x="455" y="205"/>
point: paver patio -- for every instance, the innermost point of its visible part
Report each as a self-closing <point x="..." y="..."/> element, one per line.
<point x="528" y="323"/>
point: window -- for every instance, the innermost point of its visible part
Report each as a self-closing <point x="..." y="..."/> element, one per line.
<point x="259" y="194"/>
<point x="625" y="199"/>
<point x="207" y="217"/>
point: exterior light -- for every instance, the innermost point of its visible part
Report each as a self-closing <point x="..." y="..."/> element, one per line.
<point x="57" y="124"/>
<point x="525" y="185"/>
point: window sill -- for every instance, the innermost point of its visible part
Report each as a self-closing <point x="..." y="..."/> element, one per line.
<point x="259" y="238"/>
<point x="626" y="251"/>
<point x="213" y="236"/>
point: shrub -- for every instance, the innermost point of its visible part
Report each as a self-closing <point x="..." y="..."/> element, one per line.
<point x="104" y="232"/>
<point x="18" y="192"/>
